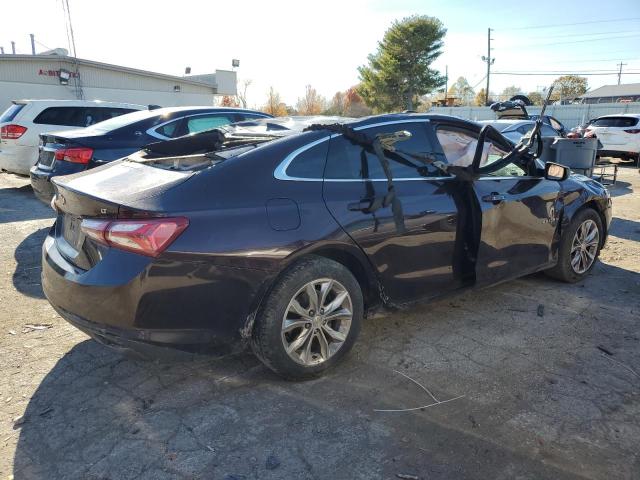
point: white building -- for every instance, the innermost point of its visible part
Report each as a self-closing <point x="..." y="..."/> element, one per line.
<point x="54" y="75"/>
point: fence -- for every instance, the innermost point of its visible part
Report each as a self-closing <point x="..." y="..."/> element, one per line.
<point x="569" y="115"/>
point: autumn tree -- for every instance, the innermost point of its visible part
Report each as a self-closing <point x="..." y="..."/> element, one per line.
<point x="569" y="86"/>
<point x="479" y="99"/>
<point x="336" y="105"/>
<point x="274" y="105"/>
<point x="229" y="101"/>
<point x="536" y="98"/>
<point x="312" y="103"/>
<point x="400" y="72"/>
<point x="354" y="105"/>
<point x="509" y="92"/>
<point x="462" y="90"/>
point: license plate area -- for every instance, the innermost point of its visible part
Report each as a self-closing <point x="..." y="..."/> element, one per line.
<point x="71" y="231"/>
<point x="45" y="158"/>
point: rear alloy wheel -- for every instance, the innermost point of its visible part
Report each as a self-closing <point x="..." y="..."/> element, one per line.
<point x="317" y="321"/>
<point x="579" y="247"/>
<point x="310" y="319"/>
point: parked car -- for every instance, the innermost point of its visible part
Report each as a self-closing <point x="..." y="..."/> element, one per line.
<point x="516" y="109"/>
<point x="514" y="130"/>
<point x="553" y="122"/>
<point x="23" y="122"/>
<point x="72" y="151"/>
<point x="619" y="135"/>
<point x="284" y="239"/>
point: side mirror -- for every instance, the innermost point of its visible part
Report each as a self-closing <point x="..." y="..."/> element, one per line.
<point x="555" y="171"/>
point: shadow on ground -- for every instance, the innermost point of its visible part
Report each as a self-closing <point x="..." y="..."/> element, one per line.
<point x="18" y="204"/>
<point x="26" y="278"/>
<point x="98" y="415"/>
<point x="540" y="400"/>
<point x="620" y="188"/>
<point x="623" y="228"/>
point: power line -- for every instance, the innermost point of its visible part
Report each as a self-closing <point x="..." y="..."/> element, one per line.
<point x="534" y="45"/>
<point x="553" y="25"/>
<point x="563" y="35"/>
<point x="585" y="74"/>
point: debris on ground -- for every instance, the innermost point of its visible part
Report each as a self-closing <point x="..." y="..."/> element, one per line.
<point x="12" y="332"/>
<point x="406" y="476"/>
<point x="17" y="421"/>
<point x="273" y="462"/>
<point x="604" y="350"/>
<point x="541" y="310"/>
<point x="30" y="327"/>
<point x="437" y="402"/>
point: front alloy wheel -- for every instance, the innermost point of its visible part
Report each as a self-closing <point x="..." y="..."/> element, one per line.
<point x="584" y="247"/>
<point x="317" y="321"/>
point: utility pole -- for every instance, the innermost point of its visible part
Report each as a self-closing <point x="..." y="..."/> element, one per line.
<point x="33" y="44"/>
<point x="13" y="47"/>
<point x="620" y="71"/>
<point x="489" y="62"/>
<point x="446" y="83"/>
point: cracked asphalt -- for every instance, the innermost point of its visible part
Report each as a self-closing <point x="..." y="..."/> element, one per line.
<point x="547" y="392"/>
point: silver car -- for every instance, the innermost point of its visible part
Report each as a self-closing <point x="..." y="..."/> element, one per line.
<point x="514" y="130"/>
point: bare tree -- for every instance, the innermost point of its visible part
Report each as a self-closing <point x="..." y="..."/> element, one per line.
<point x="312" y="103"/>
<point x="242" y="92"/>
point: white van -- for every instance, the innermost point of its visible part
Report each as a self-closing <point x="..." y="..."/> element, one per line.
<point x="22" y="123"/>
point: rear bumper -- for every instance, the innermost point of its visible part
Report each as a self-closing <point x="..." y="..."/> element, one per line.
<point x="17" y="158"/>
<point x="150" y="343"/>
<point x="133" y="301"/>
<point x="41" y="183"/>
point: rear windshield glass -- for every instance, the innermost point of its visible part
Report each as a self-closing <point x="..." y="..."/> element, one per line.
<point x="11" y="112"/>
<point x="124" y="120"/>
<point x="615" y="122"/>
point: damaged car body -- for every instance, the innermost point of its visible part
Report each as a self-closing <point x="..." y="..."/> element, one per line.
<point x="284" y="236"/>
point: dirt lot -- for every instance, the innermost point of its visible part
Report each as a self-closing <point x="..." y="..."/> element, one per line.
<point x="548" y="376"/>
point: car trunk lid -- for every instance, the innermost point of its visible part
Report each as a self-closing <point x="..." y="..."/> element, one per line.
<point x="50" y="143"/>
<point x="108" y="193"/>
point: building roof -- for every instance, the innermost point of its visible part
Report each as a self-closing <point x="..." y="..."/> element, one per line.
<point x="627" y="89"/>
<point x="109" y="66"/>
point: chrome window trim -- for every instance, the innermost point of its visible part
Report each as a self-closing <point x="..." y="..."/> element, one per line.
<point x="280" y="172"/>
<point x="152" y="131"/>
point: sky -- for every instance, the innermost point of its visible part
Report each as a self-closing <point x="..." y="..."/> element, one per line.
<point x="290" y="44"/>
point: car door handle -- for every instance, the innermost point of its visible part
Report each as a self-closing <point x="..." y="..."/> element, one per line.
<point x="494" y="197"/>
<point x="361" y="206"/>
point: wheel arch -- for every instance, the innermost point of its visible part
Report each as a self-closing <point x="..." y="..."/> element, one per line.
<point x="593" y="204"/>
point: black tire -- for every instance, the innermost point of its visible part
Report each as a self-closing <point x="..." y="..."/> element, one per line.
<point x="563" y="269"/>
<point x="267" y="337"/>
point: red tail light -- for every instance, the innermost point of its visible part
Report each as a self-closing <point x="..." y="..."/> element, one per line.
<point x="75" y="155"/>
<point x="11" y="132"/>
<point x="633" y="130"/>
<point x="146" y="236"/>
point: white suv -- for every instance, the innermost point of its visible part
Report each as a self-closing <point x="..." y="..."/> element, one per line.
<point x="23" y="122"/>
<point x="619" y="135"/>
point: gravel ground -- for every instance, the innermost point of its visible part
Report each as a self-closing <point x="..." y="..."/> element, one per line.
<point x="544" y="377"/>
